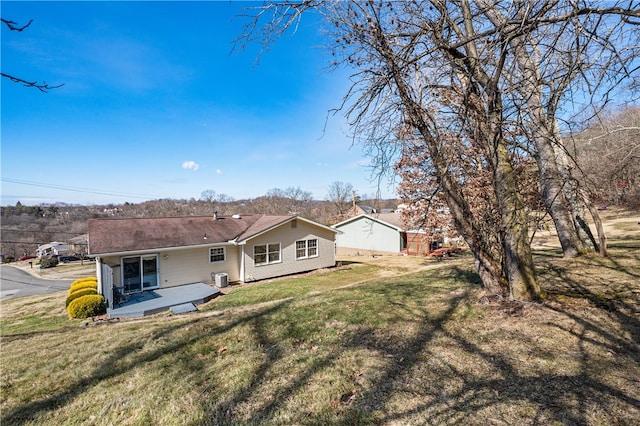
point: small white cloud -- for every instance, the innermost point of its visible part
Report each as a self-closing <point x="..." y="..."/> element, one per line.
<point x="218" y="171"/>
<point x="191" y="165"/>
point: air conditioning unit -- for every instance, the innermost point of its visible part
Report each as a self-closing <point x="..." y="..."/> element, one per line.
<point x="222" y="280"/>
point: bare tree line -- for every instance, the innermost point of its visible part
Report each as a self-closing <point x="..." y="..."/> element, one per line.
<point x="25" y="227"/>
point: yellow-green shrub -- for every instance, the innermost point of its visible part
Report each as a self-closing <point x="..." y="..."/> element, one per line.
<point x="80" y="286"/>
<point x="83" y="283"/>
<point x="87" y="306"/>
<point x="79" y="293"/>
<point x="79" y="280"/>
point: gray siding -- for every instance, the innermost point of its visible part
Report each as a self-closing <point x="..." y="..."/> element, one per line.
<point x="368" y="235"/>
<point x="287" y="236"/>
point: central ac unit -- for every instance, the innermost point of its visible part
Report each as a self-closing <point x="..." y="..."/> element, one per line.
<point x="222" y="280"/>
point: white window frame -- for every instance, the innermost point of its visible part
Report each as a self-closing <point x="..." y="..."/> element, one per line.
<point x="267" y="253"/>
<point x="307" y="248"/>
<point x="224" y="254"/>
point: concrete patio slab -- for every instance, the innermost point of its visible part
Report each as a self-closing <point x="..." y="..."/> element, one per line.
<point x="183" y="309"/>
<point x="160" y="300"/>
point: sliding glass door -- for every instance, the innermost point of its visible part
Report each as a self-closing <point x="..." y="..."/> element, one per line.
<point x="139" y="273"/>
<point x="149" y="272"/>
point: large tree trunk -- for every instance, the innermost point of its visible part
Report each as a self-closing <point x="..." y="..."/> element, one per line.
<point x="491" y="274"/>
<point x="523" y="284"/>
<point x="571" y="189"/>
<point x="602" y="247"/>
<point x="553" y="196"/>
<point x="543" y="135"/>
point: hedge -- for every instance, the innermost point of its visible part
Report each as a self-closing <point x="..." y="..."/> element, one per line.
<point x="79" y="293"/>
<point x="87" y="306"/>
<point x="48" y="262"/>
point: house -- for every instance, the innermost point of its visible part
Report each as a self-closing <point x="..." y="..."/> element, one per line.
<point x="78" y="245"/>
<point x="51" y="249"/>
<point x="138" y="254"/>
<point x="373" y="233"/>
<point x="381" y="233"/>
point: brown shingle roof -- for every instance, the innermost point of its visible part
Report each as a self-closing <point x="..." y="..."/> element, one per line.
<point x="115" y="235"/>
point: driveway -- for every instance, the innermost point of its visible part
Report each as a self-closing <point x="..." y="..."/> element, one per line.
<point x="14" y="282"/>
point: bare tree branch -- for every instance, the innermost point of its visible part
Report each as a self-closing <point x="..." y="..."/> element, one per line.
<point x="13" y="26"/>
<point x="43" y="87"/>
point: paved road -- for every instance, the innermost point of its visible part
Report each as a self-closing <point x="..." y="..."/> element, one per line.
<point x="15" y="282"/>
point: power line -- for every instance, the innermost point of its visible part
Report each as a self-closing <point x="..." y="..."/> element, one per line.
<point x="35" y="231"/>
<point x="78" y="189"/>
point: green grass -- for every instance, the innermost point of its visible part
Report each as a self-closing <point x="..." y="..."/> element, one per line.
<point x="295" y="287"/>
<point x="369" y="345"/>
<point x="34" y="314"/>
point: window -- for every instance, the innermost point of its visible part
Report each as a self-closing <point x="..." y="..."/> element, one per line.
<point x="264" y="254"/>
<point x="306" y="248"/>
<point x="216" y="254"/>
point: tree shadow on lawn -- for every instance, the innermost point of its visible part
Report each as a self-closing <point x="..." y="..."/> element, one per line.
<point x="447" y="369"/>
<point x="563" y="396"/>
<point x="114" y="366"/>
<point x="567" y="398"/>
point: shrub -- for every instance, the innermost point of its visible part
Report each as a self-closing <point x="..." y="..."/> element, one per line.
<point x="84" y="279"/>
<point x="89" y="282"/>
<point x="87" y="306"/>
<point x="48" y="262"/>
<point x="79" y="293"/>
<point x="82" y="284"/>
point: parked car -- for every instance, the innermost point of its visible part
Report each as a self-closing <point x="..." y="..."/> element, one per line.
<point x="26" y="257"/>
<point x="65" y="258"/>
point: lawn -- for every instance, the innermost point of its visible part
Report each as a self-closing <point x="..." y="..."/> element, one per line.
<point x="380" y="341"/>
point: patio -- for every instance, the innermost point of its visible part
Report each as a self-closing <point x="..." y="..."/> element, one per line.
<point x="154" y="301"/>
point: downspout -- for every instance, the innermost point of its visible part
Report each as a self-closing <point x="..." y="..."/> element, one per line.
<point x="99" y="275"/>
<point x="242" y="246"/>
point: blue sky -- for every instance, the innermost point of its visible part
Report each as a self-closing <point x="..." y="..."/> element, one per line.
<point x="156" y="105"/>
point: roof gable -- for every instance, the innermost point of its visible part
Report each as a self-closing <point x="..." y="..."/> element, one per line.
<point x="392" y="220"/>
<point x="262" y="225"/>
<point x="268" y="223"/>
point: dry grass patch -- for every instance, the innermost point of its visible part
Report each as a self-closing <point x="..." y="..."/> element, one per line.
<point x="372" y="344"/>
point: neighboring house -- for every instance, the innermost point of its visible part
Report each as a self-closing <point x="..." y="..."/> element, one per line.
<point x="380" y="233"/>
<point x="51" y="249"/>
<point x="139" y="254"/>
<point x="79" y="244"/>
<point x="359" y="209"/>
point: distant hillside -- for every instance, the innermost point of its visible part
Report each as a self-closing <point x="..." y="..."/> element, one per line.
<point x="25" y="227"/>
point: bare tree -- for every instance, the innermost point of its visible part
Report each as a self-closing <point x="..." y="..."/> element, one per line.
<point x="608" y="153"/>
<point x="451" y="74"/>
<point x="298" y="199"/>
<point x="569" y="50"/>
<point x="43" y="87"/>
<point x="340" y="195"/>
<point x="215" y="202"/>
